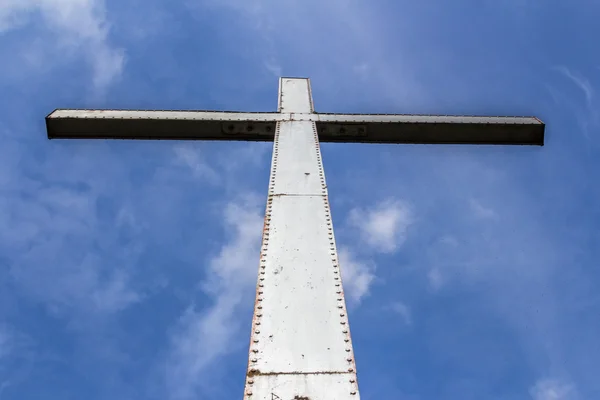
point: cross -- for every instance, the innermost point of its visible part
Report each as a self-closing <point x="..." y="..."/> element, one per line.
<point x="300" y="344"/>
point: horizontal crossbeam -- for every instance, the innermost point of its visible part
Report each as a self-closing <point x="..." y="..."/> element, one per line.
<point x="362" y="128"/>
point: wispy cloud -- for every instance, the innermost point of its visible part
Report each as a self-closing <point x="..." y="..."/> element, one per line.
<point x="51" y="226"/>
<point x="383" y="227"/>
<point x="194" y="160"/>
<point x="357" y="276"/>
<point x="16" y="357"/>
<point x="553" y="389"/>
<point x="482" y="211"/>
<point x="580" y="81"/>
<point x="77" y="25"/>
<point x="403" y="310"/>
<point x="203" y="336"/>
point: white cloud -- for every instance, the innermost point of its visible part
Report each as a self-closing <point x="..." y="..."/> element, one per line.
<point x="384" y="226"/>
<point x="403" y="310"/>
<point x="357" y="276"/>
<point x="553" y="389"/>
<point x="203" y="336"/>
<point x="78" y="25"/>
<point x="193" y="159"/>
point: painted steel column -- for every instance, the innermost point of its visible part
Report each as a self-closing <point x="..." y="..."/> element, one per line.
<point x="300" y="346"/>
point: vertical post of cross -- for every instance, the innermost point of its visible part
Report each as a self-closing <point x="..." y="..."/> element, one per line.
<point x="300" y="344"/>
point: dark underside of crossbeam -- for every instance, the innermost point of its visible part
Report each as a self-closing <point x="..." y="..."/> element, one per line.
<point x="370" y="132"/>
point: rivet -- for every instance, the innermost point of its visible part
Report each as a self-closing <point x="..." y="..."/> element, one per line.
<point x="344" y="331"/>
<point x="349" y="359"/>
<point x="350" y="369"/>
<point x="259" y="307"/>
<point x="255" y="360"/>
<point x="251" y="381"/>
<point x="249" y="393"/>
<point x="256" y="331"/>
<point x="255" y="340"/>
<point x="352" y="393"/>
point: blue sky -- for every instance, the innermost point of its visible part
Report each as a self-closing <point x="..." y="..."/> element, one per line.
<point x="127" y="269"/>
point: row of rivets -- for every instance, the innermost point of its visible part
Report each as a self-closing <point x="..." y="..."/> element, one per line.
<point x="274" y="163"/>
<point x="319" y="160"/>
<point x="338" y="285"/>
<point x="262" y="271"/>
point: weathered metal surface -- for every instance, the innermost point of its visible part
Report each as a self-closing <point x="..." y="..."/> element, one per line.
<point x="304" y="322"/>
<point x="234" y="128"/>
<point x="302" y="387"/>
<point x="431" y="129"/>
<point x="165" y="125"/>
<point x="343" y="130"/>
<point x="425" y="119"/>
<point x="295" y="95"/>
<point x="299" y="170"/>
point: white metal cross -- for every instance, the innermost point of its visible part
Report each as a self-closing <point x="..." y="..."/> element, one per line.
<point x="300" y="346"/>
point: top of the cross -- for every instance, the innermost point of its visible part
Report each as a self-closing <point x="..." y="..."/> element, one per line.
<point x="295" y="96"/>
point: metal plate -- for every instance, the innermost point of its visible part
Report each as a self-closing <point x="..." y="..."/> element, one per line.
<point x="433" y="129"/>
<point x="299" y="169"/>
<point x="303" y="323"/>
<point x="295" y="95"/>
<point x="343" y="130"/>
<point x="302" y="387"/>
<point x="159" y="125"/>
